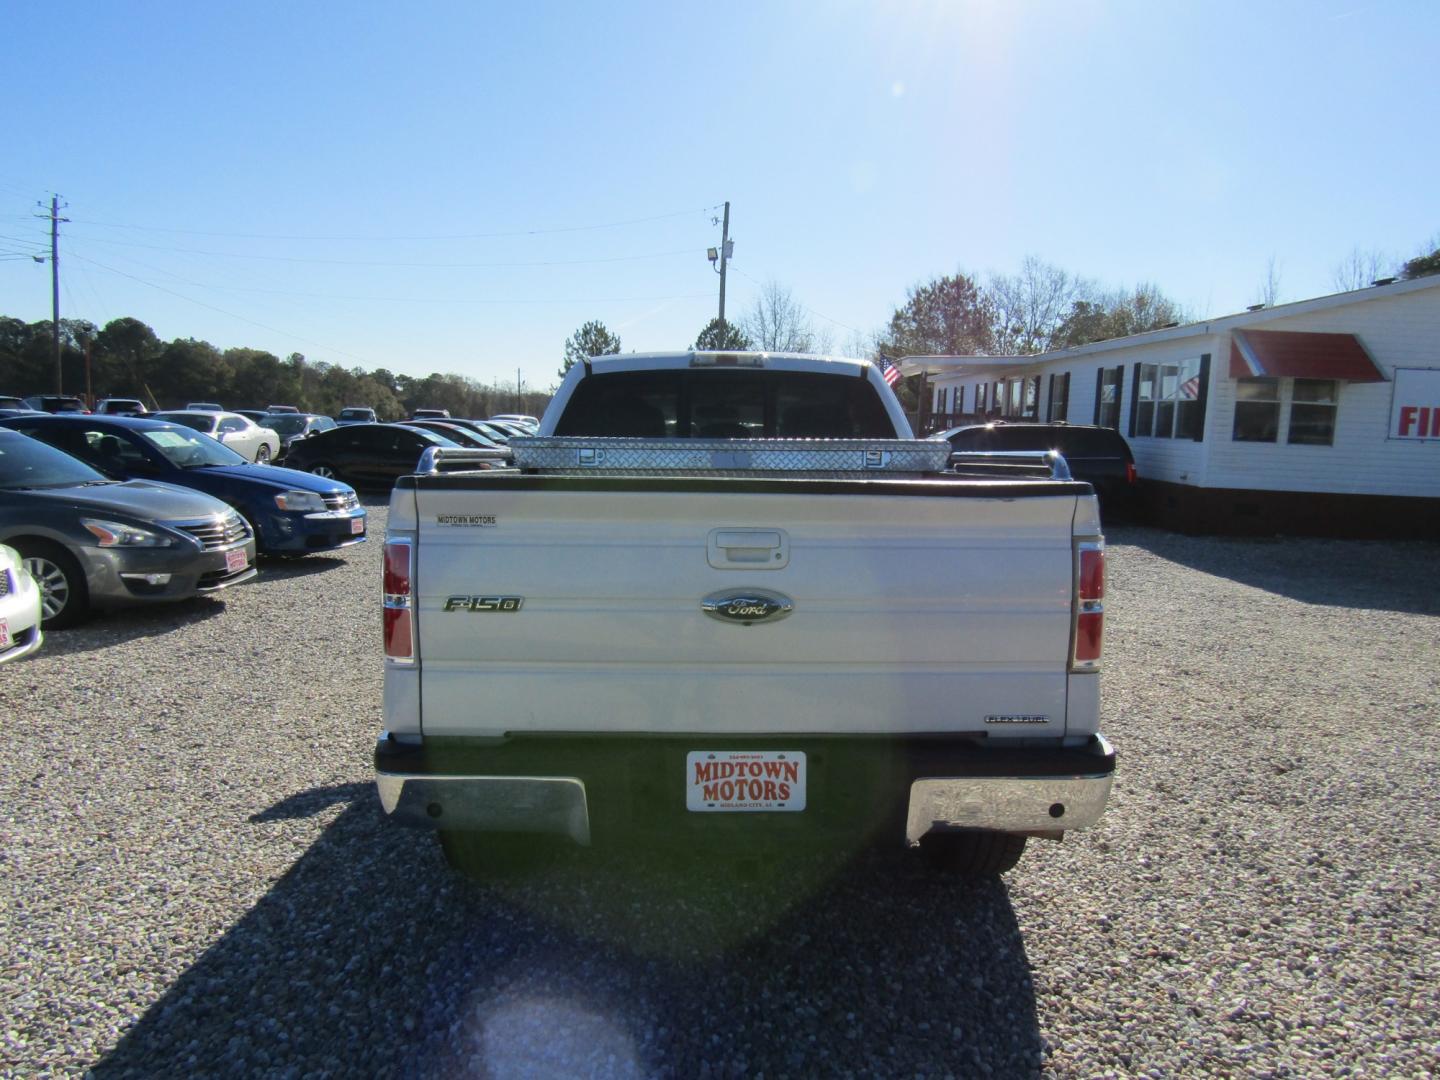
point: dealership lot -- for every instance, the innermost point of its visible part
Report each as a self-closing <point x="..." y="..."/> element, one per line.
<point x="196" y="876"/>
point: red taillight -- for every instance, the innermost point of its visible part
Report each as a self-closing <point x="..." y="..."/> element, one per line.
<point x="1131" y="475"/>
<point x="1089" y="606"/>
<point x="399" y="622"/>
<point x="1089" y="632"/>
<point x="1092" y="573"/>
<point x="399" y="638"/>
<point x="397" y="568"/>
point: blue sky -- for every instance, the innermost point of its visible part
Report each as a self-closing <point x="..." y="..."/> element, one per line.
<point x="458" y="186"/>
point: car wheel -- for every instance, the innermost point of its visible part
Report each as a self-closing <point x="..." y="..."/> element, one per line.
<point x="262" y="455"/>
<point x="972" y="854"/>
<point x="322" y="468"/>
<point x="64" y="599"/>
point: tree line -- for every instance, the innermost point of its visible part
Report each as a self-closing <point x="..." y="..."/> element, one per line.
<point x="1040" y="308"/>
<point x="127" y="359"/>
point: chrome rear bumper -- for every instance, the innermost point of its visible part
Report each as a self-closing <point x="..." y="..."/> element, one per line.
<point x="527" y="804"/>
<point x="1070" y="794"/>
<point x="1016" y="804"/>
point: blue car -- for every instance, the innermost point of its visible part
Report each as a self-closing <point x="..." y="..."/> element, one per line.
<point x="290" y="512"/>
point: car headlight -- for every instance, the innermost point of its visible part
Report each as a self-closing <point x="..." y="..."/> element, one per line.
<point x="307" y="501"/>
<point x="114" y="534"/>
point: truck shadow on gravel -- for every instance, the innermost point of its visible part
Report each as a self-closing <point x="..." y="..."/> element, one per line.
<point x="370" y="957"/>
<point x="1373" y="575"/>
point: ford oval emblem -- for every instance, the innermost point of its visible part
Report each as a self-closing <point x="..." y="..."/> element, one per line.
<point x="747" y="606"/>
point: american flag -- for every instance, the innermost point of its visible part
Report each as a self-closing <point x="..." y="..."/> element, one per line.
<point x="889" y="370"/>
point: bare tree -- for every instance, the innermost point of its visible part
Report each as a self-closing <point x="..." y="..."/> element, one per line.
<point x="1360" y="268"/>
<point x="778" y="323"/>
<point x="862" y="345"/>
<point x="1030" y="306"/>
<point x="1269" y="291"/>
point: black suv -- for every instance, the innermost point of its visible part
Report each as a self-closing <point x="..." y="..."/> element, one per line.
<point x="55" y="403"/>
<point x="1098" y="455"/>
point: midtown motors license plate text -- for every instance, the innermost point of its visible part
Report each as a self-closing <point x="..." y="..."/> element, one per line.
<point x="745" y="780"/>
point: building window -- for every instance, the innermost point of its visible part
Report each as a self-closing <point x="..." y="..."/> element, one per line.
<point x="1059" y="396"/>
<point x="960" y="399"/>
<point x="1312" y="412"/>
<point x="1032" y="398"/>
<point x="1107" y="407"/>
<point x="1167" y="400"/>
<point x="1257" y="410"/>
<point x="1013" y="406"/>
<point x="980" y="397"/>
<point x="997" y="398"/>
<point x="940" y="399"/>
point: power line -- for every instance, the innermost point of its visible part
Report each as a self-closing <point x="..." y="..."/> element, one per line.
<point x="386" y="239"/>
<point x="405" y="299"/>
<point x="222" y="311"/>
<point x="395" y="265"/>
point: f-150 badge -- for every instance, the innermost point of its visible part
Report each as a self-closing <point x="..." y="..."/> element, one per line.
<point x="480" y="604"/>
<point x="747" y="606"/>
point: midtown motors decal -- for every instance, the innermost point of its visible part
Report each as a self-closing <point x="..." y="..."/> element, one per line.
<point x="745" y="780"/>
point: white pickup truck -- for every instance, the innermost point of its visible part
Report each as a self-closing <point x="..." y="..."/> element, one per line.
<point x="728" y="596"/>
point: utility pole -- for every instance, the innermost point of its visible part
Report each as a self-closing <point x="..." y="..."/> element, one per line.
<point x="724" y="254"/>
<point x="55" y="220"/>
<point x="519" y="401"/>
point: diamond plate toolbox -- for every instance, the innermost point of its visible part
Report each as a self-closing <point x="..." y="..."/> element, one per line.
<point x="839" y="457"/>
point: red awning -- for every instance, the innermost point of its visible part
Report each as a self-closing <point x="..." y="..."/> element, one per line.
<point x="1295" y="354"/>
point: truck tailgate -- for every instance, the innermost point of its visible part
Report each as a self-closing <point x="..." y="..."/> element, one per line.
<point x="912" y="612"/>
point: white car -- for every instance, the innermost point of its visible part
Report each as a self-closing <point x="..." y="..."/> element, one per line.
<point x="19" y="608"/>
<point x="516" y="418"/>
<point x="241" y="434"/>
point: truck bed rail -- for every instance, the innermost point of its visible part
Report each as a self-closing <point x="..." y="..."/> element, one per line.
<point x="579" y="455"/>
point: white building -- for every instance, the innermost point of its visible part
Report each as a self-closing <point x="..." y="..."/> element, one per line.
<point x="1321" y="416"/>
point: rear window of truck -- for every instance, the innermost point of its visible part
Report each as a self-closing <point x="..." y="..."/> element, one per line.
<point x="709" y="404"/>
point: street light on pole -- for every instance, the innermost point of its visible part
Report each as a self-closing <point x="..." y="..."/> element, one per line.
<point x="723" y="253"/>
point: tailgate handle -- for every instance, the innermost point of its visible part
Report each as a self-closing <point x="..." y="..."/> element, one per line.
<point x="751" y="549"/>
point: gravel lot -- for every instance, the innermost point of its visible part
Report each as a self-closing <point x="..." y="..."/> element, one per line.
<point x="196" y="878"/>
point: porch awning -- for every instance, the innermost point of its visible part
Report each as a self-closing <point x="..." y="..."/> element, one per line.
<point x="964" y="365"/>
<point x="1299" y="354"/>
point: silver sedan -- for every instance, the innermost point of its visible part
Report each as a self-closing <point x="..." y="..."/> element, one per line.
<point x="241" y="434"/>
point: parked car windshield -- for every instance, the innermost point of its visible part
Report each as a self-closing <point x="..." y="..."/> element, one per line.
<point x="28" y="463"/>
<point x="286" y="423"/>
<point x="199" y="423"/>
<point x="187" y="451"/>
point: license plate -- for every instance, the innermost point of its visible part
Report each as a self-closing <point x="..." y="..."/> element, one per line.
<point x="235" y="561"/>
<point x="744" y="781"/>
<point x="357" y="526"/>
<point x="4" y="634"/>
